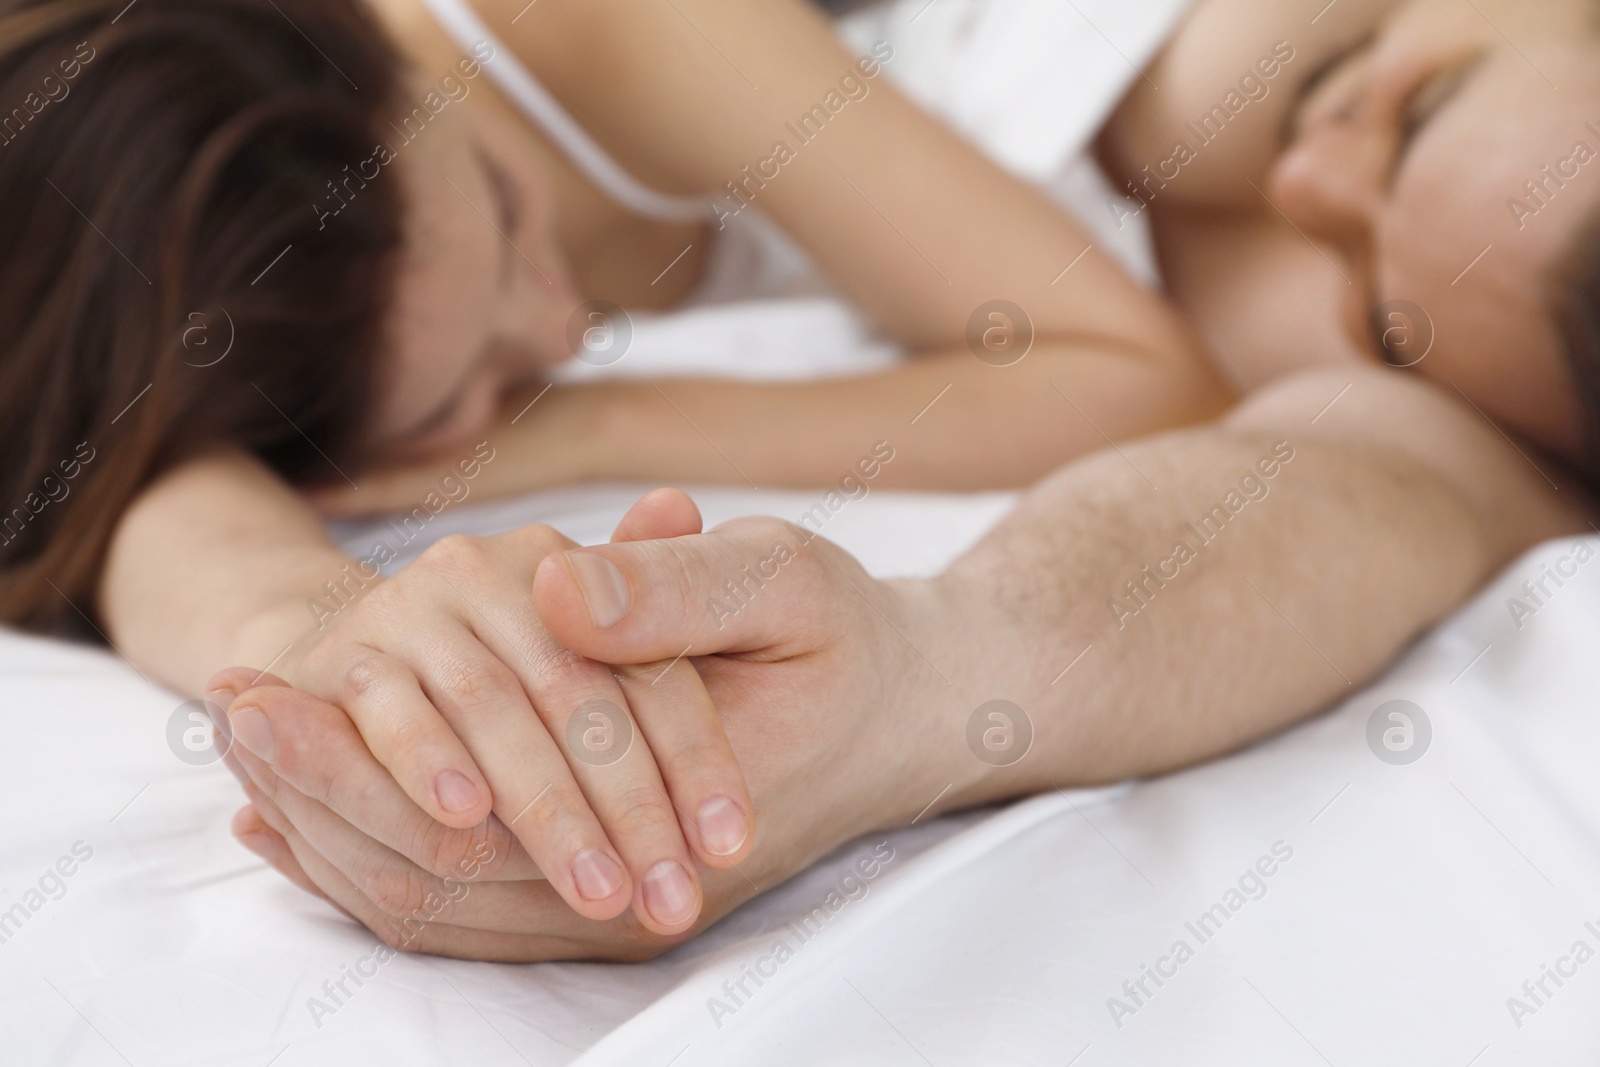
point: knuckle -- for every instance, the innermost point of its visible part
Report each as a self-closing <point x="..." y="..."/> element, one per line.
<point x="446" y="853"/>
<point x="765" y="529"/>
<point x="455" y="547"/>
<point x="707" y="757"/>
<point x="351" y="792"/>
<point x="770" y="527"/>
<point x="498" y="853"/>
<point x="803" y="545"/>
<point x="297" y="759"/>
<point x="396" y="893"/>
<point x="641" y="810"/>
<point x="481" y="852"/>
<point x="459" y="684"/>
<point x="686" y="572"/>
<point x="305" y="761"/>
<point x="456" y="554"/>
<point x="439" y="853"/>
<point x="403" y="737"/>
<point x="367" y="674"/>
<point x="560" y="666"/>
<point x="556" y="811"/>
<point x="476" y="683"/>
<point x="538" y="538"/>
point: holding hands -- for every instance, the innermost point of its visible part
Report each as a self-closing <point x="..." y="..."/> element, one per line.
<point x="799" y="677"/>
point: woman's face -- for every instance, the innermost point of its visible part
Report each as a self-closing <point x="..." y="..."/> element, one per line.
<point x="1409" y="158"/>
<point x="483" y="294"/>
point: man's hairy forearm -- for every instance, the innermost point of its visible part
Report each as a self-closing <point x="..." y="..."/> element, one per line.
<point x="1291" y="589"/>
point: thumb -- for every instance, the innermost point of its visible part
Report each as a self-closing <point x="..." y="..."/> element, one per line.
<point x="659" y="513"/>
<point x="749" y="585"/>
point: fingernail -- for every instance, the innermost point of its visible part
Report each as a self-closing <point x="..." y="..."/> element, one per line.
<point x="596" y="874"/>
<point x="455" y="791"/>
<point x="605" y="591"/>
<point x="252" y="730"/>
<point x="722" y="826"/>
<point x="217" y="702"/>
<point x="668" y="893"/>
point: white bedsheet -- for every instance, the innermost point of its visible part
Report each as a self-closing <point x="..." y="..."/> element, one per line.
<point x="1417" y="900"/>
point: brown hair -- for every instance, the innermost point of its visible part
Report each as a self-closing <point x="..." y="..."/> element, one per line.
<point x="159" y="163"/>
<point x="1577" y="312"/>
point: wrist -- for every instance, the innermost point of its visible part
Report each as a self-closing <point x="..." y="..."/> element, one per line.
<point x="997" y="712"/>
<point x="279" y="633"/>
<point x="581" y="433"/>
<point x="935" y="682"/>
<point x="271" y="636"/>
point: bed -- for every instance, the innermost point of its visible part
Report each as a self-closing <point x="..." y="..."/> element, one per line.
<point x="1410" y="878"/>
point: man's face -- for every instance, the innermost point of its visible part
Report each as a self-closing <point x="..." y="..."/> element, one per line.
<point x="1407" y="159"/>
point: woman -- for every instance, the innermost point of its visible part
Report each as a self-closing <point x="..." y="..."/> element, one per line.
<point x="464" y="274"/>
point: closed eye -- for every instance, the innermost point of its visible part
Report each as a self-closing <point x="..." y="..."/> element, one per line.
<point x="1315" y="80"/>
<point x="1427" y="102"/>
<point x="508" y="205"/>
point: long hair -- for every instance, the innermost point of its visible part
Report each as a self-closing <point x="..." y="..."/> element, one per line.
<point x="167" y="285"/>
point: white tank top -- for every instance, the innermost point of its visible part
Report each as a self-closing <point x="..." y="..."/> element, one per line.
<point x="462" y="23"/>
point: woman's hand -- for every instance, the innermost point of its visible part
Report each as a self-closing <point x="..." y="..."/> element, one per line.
<point x="446" y="669"/>
<point x="837" y="721"/>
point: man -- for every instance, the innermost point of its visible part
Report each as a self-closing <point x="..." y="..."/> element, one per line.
<point x="1144" y="608"/>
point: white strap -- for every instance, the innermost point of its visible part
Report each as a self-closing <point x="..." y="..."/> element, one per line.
<point x="463" y="24"/>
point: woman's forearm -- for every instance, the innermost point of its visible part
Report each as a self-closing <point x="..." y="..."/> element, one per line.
<point x="212" y="567"/>
<point x="952" y="422"/>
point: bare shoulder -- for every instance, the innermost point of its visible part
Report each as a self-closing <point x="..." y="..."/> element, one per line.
<point x="1519" y="496"/>
<point x="589" y="39"/>
<point x="667" y="86"/>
